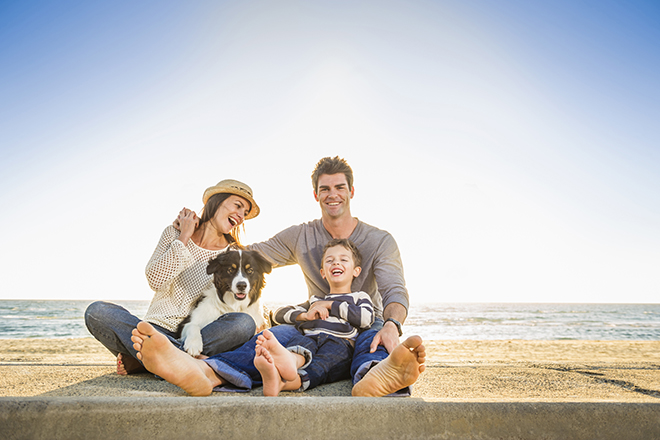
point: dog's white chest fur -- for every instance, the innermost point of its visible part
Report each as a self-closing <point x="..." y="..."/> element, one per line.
<point x="235" y="298"/>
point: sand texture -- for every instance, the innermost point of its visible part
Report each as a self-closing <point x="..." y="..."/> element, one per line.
<point x="567" y="371"/>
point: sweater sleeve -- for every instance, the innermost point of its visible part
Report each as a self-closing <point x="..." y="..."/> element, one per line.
<point x="388" y="270"/>
<point x="280" y="249"/>
<point x="288" y="314"/>
<point x="357" y="309"/>
<point x="170" y="258"/>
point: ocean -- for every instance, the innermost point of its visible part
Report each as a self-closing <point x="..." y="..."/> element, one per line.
<point x="440" y="321"/>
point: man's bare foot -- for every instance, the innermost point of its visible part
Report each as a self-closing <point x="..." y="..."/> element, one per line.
<point x="162" y="358"/>
<point x="397" y="371"/>
<point x="127" y="364"/>
<point x="286" y="362"/>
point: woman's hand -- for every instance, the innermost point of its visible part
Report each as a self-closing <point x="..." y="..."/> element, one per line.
<point x="186" y="222"/>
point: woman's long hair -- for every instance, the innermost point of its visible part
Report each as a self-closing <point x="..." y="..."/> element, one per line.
<point x="209" y="211"/>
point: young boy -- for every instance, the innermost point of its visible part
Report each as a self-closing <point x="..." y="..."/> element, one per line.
<point x="330" y="326"/>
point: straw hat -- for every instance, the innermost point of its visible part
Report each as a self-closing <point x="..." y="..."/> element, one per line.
<point x="233" y="187"/>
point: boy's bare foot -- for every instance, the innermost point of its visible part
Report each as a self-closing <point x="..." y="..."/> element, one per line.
<point x="397" y="371"/>
<point x="175" y="366"/>
<point x="127" y="364"/>
<point x="271" y="378"/>
<point x="286" y="362"/>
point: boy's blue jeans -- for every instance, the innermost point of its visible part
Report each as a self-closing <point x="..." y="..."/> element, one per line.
<point x="330" y="358"/>
<point x="112" y="325"/>
<point x="237" y="366"/>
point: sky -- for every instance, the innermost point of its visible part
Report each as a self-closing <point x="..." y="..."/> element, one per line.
<point x="511" y="148"/>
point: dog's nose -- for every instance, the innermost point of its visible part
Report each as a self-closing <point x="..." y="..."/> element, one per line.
<point x="241" y="285"/>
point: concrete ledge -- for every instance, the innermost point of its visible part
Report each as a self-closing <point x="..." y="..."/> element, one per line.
<point x="322" y="418"/>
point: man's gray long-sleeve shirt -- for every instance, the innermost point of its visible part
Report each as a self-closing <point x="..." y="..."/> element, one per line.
<point x="382" y="270"/>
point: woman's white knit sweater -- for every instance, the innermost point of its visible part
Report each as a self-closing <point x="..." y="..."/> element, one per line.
<point x="177" y="273"/>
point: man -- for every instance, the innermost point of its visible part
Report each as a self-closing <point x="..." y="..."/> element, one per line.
<point x="382" y="272"/>
<point x="381" y="365"/>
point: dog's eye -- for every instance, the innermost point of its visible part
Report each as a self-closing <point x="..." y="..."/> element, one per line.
<point x="249" y="270"/>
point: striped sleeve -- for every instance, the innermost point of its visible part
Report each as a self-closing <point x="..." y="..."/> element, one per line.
<point x="356" y="308"/>
<point x="288" y="314"/>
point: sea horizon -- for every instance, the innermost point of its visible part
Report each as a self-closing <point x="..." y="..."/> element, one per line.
<point x="433" y="321"/>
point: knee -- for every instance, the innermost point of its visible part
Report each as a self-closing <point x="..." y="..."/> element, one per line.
<point x="96" y="311"/>
<point x="244" y="324"/>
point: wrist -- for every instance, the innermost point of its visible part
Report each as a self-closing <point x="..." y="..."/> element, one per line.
<point x="395" y="324"/>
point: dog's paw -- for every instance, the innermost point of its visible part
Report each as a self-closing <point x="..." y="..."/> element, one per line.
<point x="193" y="345"/>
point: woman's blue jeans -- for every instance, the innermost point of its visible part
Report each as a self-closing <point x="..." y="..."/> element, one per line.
<point x="112" y="325"/>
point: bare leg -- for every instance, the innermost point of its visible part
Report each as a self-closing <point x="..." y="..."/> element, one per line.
<point x="286" y="362"/>
<point x="175" y="366"/>
<point x="398" y="370"/>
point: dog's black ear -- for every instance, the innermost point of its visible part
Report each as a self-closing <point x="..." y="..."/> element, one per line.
<point x="214" y="265"/>
<point x="221" y="259"/>
<point x="263" y="264"/>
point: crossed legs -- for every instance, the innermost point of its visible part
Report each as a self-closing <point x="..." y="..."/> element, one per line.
<point x="277" y="366"/>
<point x="160" y="357"/>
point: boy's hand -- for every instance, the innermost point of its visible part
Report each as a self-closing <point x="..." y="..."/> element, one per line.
<point x="321" y="309"/>
<point x="318" y="310"/>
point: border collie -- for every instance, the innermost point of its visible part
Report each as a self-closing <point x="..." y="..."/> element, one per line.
<point x="238" y="278"/>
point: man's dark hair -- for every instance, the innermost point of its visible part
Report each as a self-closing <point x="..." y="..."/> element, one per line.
<point x="332" y="165"/>
<point x="346" y="244"/>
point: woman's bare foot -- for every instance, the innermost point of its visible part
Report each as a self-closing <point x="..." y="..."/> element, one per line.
<point x="162" y="358"/>
<point x="286" y="362"/>
<point x="127" y="364"/>
<point x="121" y="370"/>
<point x="397" y="371"/>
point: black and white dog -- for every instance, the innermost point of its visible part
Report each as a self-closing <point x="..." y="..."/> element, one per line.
<point x="238" y="278"/>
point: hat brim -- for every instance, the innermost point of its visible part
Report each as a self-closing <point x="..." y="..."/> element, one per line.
<point x="254" y="208"/>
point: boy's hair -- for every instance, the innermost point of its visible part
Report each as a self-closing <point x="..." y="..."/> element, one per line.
<point x="332" y="165"/>
<point x="346" y="244"/>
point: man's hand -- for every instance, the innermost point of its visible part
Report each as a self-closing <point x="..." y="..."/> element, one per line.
<point x="388" y="337"/>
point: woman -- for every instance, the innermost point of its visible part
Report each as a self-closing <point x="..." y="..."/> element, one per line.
<point x="177" y="274"/>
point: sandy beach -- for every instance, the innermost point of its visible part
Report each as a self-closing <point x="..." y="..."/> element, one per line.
<point x="575" y="371"/>
<point x="68" y="389"/>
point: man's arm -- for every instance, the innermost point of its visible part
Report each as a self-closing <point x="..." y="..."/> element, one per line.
<point x="279" y="249"/>
<point x="388" y="270"/>
<point x="388" y="336"/>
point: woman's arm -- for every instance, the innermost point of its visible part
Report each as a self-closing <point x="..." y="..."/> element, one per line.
<point x="170" y="258"/>
<point x="186" y="222"/>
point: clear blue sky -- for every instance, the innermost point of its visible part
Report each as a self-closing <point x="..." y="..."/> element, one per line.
<point x="512" y="147"/>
